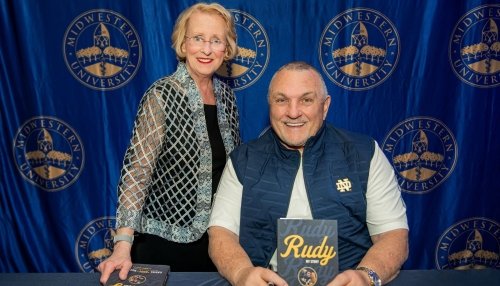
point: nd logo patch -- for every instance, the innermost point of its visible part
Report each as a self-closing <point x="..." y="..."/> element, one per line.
<point x="102" y="50"/>
<point x="475" y="47"/>
<point x="253" y="53"/>
<point x="359" y="49"/>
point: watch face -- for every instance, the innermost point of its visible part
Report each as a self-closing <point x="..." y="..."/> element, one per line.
<point x="376" y="280"/>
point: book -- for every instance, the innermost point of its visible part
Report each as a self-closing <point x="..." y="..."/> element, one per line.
<point x="141" y="274"/>
<point x="307" y="251"/>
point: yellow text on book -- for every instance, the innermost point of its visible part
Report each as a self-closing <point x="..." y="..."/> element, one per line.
<point x="295" y="244"/>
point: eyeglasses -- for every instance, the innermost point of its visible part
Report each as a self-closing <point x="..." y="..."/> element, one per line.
<point x="215" y="44"/>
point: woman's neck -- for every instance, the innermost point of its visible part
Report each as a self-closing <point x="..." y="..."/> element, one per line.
<point x="205" y="86"/>
<point x="206" y="89"/>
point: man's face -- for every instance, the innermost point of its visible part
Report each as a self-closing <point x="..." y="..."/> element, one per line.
<point x="298" y="106"/>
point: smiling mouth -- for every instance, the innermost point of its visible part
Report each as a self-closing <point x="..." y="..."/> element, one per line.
<point x="295" y="124"/>
<point x="204" y="60"/>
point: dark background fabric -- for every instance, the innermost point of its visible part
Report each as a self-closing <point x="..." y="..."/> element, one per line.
<point x="424" y="83"/>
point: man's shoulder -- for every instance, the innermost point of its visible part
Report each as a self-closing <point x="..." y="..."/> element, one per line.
<point x="262" y="144"/>
<point x="343" y="135"/>
<point x="349" y="141"/>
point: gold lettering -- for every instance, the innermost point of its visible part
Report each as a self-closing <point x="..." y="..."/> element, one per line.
<point x="295" y="244"/>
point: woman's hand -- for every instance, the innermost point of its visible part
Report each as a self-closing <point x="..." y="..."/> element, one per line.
<point x="120" y="259"/>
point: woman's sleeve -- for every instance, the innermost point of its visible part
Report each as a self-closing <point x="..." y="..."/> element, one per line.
<point x="140" y="159"/>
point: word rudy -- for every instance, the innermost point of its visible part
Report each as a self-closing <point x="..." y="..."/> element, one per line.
<point x="295" y="243"/>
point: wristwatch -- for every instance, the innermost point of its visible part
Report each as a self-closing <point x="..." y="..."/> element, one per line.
<point x="123" y="237"/>
<point x="374" y="279"/>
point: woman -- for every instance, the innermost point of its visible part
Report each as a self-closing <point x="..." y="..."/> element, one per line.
<point x="186" y="125"/>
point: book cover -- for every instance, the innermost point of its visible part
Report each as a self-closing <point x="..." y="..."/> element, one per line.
<point x="307" y="251"/>
<point x="141" y="274"/>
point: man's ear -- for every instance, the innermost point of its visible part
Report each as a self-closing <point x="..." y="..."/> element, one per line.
<point x="326" y="106"/>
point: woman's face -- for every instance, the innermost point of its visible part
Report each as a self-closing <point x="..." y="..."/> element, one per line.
<point x="204" y="44"/>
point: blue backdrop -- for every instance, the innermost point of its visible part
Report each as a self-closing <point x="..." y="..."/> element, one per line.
<point x="421" y="77"/>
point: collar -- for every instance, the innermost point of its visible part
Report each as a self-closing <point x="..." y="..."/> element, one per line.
<point x="313" y="143"/>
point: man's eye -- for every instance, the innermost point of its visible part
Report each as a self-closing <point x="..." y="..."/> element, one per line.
<point x="307" y="100"/>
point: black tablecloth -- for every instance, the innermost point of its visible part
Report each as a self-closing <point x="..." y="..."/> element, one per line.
<point x="485" y="277"/>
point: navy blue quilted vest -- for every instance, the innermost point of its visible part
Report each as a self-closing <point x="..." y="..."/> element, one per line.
<point x="267" y="171"/>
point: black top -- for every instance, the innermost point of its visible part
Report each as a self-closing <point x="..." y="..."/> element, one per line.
<point x="218" y="151"/>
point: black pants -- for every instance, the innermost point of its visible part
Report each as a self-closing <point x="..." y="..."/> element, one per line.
<point x="182" y="257"/>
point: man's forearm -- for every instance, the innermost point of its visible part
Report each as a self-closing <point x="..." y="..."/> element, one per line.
<point x="388" y="253"/>
<point x="226" y="253"/>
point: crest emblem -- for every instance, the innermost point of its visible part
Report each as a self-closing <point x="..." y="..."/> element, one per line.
<point x="359" y="49"/>
<point x="102" y="50"/>
<point x="95" y="243"/>
<point x="475" y="47"/>
<point x="253" y="53"/>
<point x="469" y="244"/>
<point x="48" y="153"/>
<point x="423" y="152"/>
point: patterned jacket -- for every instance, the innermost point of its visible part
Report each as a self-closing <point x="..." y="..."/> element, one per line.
<point x="165" y="185"/>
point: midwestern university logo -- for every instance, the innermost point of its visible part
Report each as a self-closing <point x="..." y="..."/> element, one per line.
<point x="253" y="53"/>
<point x="95" y="243"/>
<point x="371" y="55"/>
<point x="423" y="152"/>
<point x="48" y="153"/>
<point x="475" y="48"/>
<point x="470" y="244"/>
<point x="102" y="50"/>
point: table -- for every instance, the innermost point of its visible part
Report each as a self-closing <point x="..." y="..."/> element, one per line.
<point x="484" y="277"/>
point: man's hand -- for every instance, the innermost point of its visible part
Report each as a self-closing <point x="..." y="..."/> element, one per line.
<point x="388" y="252"/>
<point x="120" y="259"/>
<point x="233" y="262"/>
<point x="258" y="276"/>
<point x="350" y="278"/>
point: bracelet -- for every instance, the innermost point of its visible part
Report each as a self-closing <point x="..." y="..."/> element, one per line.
<point x="123" y="237"/>
<point x="374" y="279"/>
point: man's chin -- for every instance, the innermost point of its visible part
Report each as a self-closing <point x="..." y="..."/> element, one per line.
<point x="293" y="145"/>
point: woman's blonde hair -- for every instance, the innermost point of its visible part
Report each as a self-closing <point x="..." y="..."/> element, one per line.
<point x="180" y="27"/>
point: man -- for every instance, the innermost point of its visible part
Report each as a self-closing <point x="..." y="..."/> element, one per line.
<point x="292" y="170"/>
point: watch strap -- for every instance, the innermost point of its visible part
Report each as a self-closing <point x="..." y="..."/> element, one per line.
<point x="374" y="278"/>
<point x="123" y="237"/>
